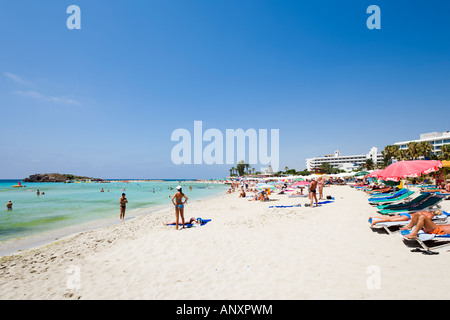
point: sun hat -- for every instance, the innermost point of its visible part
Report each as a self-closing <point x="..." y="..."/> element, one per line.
<point x="179" y="188"/>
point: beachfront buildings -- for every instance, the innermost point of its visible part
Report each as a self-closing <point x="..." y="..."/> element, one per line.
<point x="436" y="139"/>
<point x="347" y="163"/>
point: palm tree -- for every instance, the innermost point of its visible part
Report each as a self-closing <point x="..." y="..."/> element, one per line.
<point x="425" y="149"/>
<point x="414" y="150"/>
<point x="369" y="164"/>
<point x="389" y="152"/>
<point x="445" y="152"/>
<point x="402" y="154"/>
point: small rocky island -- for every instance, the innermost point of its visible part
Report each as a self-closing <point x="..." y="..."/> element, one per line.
<point x="56" y="177"/>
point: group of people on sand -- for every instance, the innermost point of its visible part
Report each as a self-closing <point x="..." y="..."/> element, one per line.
<point x="420" y="220"/>
<point x="315" y="186"/>
<point x="179" y="200"/>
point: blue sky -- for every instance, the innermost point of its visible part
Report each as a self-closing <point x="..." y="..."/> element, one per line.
<point x="103" y="101"/>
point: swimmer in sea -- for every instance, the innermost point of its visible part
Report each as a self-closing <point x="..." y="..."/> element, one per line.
<point x="177" y="201"/>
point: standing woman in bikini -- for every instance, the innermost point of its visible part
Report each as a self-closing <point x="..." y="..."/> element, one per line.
<point x="177" y="201"/>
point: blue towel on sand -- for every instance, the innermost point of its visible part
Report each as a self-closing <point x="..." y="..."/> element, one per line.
<point x="188" y="225"/>
<point x="296" y="205"/>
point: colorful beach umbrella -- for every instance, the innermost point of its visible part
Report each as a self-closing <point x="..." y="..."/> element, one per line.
<point x="361" y="173"/>
<point x="446" y="163"/>
<point x="409" y="169"/>
<point x="300" y="183"/>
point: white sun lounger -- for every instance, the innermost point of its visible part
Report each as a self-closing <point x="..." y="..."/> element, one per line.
<point x="441" y="219"/>
<point x="422" y="237"/>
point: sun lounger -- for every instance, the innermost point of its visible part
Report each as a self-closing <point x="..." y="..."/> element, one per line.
<point x="388" y="194"/>
<point x="420" y="198"/>
<point x="400" y="198"/>
<point x="423" y="237"/>
<point x="396" y="195"/>
<point x="429" y="203"/>
<point x="297" y="195"/>
<point x="441" y="219"/>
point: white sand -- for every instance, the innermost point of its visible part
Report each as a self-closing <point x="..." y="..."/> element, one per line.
<point x="247" y="251"/>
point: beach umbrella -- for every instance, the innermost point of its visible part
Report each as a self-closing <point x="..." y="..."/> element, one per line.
<point x="361" y="173"/>
<point x="409" y="169"/>
<point x="266" y="186"/>
<point x="446" y="163"/>
<point x="300" y="183"/>
<point x="375" y="174"/>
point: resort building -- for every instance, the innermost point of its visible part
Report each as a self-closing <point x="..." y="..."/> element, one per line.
<point x="436" y="139"/>
<point x="347" y="163"/>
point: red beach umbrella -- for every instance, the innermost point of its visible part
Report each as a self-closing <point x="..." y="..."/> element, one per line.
<point x="375" y="173"/>
<point x="409" y="169"/>
<point x="301" y="183"/>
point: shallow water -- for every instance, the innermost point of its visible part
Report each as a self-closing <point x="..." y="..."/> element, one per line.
<point x="65" y="205"/>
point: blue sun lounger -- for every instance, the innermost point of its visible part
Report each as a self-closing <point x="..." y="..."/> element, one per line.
<point x="388" y="196"/>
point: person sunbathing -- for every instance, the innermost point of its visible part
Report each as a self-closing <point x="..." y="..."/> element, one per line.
<point x="192" y="221"/>
<point x="403" y="216"/>
<point x="379" y="189"/>
<point x="422" y="222"/>
<point x="443" y="189"/>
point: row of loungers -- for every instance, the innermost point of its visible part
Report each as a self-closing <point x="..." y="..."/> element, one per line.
<point x="401" y="202"/>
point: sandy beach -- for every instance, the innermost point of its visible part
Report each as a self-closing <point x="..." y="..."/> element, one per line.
<point x="246" y="251"/>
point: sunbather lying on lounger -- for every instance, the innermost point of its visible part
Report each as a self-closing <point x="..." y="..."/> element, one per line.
<point x="443" y="189"/>
<point x="404" y="216"/>
<point x="420" y="221"/>
<point x="380" y="190"/>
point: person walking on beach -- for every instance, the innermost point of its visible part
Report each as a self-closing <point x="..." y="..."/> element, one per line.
<point x="312" y="192"/>
<point x="177" y="201"/>
<point x="123" y="204"/>
<point x="320" y="185"/>
<point x="9" y="206"/>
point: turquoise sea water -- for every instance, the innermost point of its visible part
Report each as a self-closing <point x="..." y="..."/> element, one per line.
<point x="69" y="204"/>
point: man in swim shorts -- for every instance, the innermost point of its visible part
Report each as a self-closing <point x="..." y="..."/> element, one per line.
<point x="421" y="221"/>
<point x="312" y="192"/>
<point x="9" y="206"/>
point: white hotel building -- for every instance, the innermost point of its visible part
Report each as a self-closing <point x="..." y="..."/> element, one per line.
<point x="347" y="163"/>
<point x="436" y="139"/>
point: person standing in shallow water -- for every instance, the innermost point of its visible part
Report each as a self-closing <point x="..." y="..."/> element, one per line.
<point x="177" y="201"/>
<point x="123" y="204"/>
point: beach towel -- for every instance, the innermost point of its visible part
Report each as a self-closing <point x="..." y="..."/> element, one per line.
<point x="295" y="205"/>
<point x="189" y="225"/>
